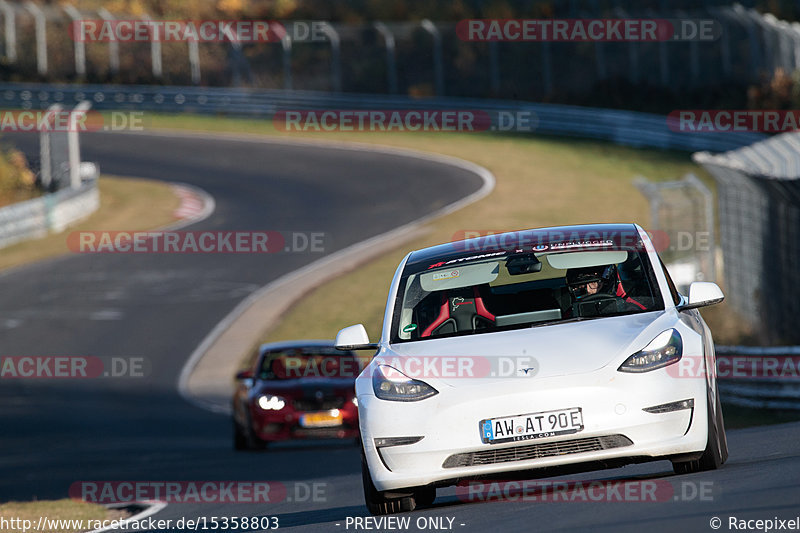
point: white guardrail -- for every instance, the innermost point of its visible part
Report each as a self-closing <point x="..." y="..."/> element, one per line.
<point x="51" y="213"/>
<point x="629" y="128"/>
<point x="759" y="377"/>
<point x="76" y="194"/>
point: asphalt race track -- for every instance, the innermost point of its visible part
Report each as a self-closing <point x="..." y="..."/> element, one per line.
<point x="159" y="307"/>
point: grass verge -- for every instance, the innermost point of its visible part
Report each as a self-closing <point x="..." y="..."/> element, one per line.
<point x="125" y="204"/>
<point x="76" y="516"/>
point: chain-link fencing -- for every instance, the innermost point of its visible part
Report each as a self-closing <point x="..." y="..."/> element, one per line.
<point x="759" y="219"/>
<point x="421" y="58"/>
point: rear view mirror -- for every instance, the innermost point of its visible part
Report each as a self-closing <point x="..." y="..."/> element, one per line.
<point x="354" y="338"/>
<point x="523" y="264"/>
<point x="703" y="293"/>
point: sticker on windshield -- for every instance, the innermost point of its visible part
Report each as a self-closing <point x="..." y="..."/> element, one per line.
<point x="409" y="328"/>
<point x="568" y="245"/>
<point x="446" y="275"/>
<point x="461" y="259"/>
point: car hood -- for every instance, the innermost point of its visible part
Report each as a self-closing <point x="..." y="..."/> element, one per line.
<point x="543" y="351"/>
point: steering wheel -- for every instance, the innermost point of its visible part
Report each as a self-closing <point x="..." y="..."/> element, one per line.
<point x="598" y="303"/>
<point x="595" y="298"/>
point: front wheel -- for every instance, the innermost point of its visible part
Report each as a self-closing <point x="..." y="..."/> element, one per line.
<point x="716" y="451"/>
<point x="377" y="502"/>
<point x="239" y="437"/>
<point x="244" y="438"/>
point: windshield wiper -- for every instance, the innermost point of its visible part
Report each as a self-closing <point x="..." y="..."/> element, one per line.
<point x="563" y="321"/>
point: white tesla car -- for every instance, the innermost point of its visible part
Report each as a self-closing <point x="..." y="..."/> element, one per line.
<point x="547" y="350"/>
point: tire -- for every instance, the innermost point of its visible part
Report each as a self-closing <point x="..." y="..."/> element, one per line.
<point x="723" y="438"/>
<point x="239" y="438"/>
<point x="377" y="502"/>
<point x="425" y="496"/>
<point x="245" y="439"/>
<point x="716" y="451"/>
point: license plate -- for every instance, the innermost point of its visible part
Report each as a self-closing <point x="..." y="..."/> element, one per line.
<point x="323" y="419"/>
<point x="532" y="426"/>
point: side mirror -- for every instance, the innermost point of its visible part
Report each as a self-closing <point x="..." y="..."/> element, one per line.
<point x="701" y="294"/>
<point x="354" y="338"/>
<point x="244" y="374"/>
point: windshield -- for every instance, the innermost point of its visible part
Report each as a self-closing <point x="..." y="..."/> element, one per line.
<point x="510" y="291"/>
<point x="309" y="363"/>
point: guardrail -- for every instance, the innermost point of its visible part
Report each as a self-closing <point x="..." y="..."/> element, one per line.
<point x="49" y="213"/>
<point x="759" y="377"/>
<point x="71" y="184"/>
<point x="56" y="41"/>
<point x="622" y="127"/>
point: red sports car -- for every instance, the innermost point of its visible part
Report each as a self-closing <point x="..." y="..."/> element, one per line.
<point x="296" y="390"/>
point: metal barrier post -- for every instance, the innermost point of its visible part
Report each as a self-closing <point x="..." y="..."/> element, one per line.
<point x="77" y="40"/>
<point x="438" y="66"/>
<point x="336" y="56"/>
<point x="45" y="156"/>
<point x="391" y="64"/>
<point x="40" y="25"/>
<point x="286" y="45"/>
<point x="194" y="61"/>
<point x="113" y="45"/>
<point x="10" y="30"/>
<point x="236" y="52"/>
<point x="155" y="52"/>
<point x="74" y="144"/>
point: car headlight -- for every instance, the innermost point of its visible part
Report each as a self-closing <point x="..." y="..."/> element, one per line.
<point x="271" y="403"/>
<point x="391" y="384"/>
<point x="664" y="350"/>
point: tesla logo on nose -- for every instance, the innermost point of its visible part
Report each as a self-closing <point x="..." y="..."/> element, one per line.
<point x="528" y="371"/>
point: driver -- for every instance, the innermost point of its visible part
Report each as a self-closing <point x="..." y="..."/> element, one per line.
<point x="593" y="280"/>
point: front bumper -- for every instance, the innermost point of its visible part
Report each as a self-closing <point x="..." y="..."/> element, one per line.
<point x="279" y="426"/>
<point x="615" y="426"/>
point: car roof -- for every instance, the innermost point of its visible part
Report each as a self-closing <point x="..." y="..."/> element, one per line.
<point x="497" y="243"/>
